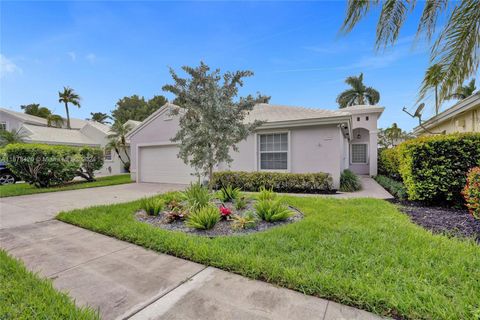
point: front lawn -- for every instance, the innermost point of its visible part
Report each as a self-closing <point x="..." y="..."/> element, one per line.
<point x="25" y="296"/>
<point x="360" y="252"/>
<point x="20" y="189"/>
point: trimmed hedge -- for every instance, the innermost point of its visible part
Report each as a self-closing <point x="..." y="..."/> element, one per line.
<point x="46" y="165"/>
<point x="396" y="189"/>
<point x="389" y="163"/>
<point x="434" y="168"/>
<point x="280" y="182"/>
<point x="471" y="192"/>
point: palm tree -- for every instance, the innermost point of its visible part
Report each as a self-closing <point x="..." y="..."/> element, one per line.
<point x="464" y="91"/>
<point x="12" y="136"/>
<point x="68" y="96"/>
<point x="433" y="78"/>
<point x="100" y="117"/>
<point x="118" y="141"/>
<point x="55" y="120"/>
<point x="358" y="94"/>
<point x="455" y="49"/>
<point x="35" y="109"/>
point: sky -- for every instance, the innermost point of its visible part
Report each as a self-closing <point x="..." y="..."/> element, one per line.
<point x="112" y="49"/>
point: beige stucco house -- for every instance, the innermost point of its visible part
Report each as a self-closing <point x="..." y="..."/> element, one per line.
<point x="464" y="116"/>
<point x="292" y="139"/>
<point x="83" y="133"/>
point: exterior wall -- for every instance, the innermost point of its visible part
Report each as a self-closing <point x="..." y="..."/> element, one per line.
<point x="360" y="136"/>
<point x="12" y="122"/>
<point x="468" y="121"/>
<point x="366" y="124"/>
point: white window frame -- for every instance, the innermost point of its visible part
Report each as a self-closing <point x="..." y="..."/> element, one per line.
<point x="258" y="153"/>
<point x="367" y="156"/>
<point x="4" y="123"/>
<point x="105" y="154"/>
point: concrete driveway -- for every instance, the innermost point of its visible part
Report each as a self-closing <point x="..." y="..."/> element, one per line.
<point x="125" y="281"/>
<point x="23" y="210"/>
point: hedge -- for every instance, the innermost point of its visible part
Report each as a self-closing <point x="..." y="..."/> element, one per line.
<point x="46" y="165"/>
<point x="396" y="188"/>
<point x="434" y="168"/>
<point x="389" y="163"/>
<point x="280" y="182"/>
<point x="471" y="192"/>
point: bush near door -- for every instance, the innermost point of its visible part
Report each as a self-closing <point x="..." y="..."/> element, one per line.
<point x="434" y="168"/>
<point x="389" y="163"/>
<point x="277" y="181"/>
<point x="471" y="192"/>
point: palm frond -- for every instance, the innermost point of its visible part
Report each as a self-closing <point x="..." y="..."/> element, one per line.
<point x="356" y="10"/>
<point x="391" y="20"/>
<point x="372" y="95"/>
<point x="428" y="20"/>
<point x="347" y="98"/>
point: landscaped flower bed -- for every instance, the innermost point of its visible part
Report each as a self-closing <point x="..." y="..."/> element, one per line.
<point x="227" y="212"/>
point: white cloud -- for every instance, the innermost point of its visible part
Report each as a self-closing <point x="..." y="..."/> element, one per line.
<point x="72" y="55"/>
<point x="7" y="66"/>
<point x="91" y="57"/>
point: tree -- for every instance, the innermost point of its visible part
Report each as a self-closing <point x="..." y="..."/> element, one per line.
<point x="358" y="94"/>
<point x="433" y="78"/>
<point x="464" y="91"/>
<point x="118" y="142"/>
<point x="10" y="137"/>
<point x="35" y="109"/>
<point x="455" y="49"/>
<point x="211" y="116"/>
<point x="68" y="96"/>
<point x="392" y="136"/>
<point x="136" y="108"/>
<point x="54" y="120"/>
<point x="100" y="117"/>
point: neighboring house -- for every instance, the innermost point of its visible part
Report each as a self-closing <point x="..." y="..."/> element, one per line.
<point x="292" y="139"/>
<point x="83" y="133"/>
<point x="464" y="116"/>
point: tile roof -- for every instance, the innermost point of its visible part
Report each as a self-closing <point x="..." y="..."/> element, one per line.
<point x="56" y="135"/>
<point x="74" y="123"/>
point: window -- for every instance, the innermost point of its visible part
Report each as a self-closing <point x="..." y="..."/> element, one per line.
<point x="359" y="153"/>
<point x="274" y="151"/>
<point x="108" y="154"/>
<point x="366" y="118"/>
<point x="3" y="125"/>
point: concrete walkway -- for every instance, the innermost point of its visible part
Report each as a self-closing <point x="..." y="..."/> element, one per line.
<point x="125" y="281"/>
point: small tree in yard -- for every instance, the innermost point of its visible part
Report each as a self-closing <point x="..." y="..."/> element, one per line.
<point x="211" y="118"/>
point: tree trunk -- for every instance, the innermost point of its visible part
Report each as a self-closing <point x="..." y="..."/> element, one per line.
<point x="68" y="115"/>
<point x="210" y="176"/>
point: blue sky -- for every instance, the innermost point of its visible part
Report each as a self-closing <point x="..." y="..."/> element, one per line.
<point x="108" y="50"/>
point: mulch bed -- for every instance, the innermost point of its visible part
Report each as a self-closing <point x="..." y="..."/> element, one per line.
<point x="223" y="227"/>
<point x="449" y="221"/>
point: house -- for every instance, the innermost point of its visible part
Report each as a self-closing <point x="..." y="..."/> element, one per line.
<point x="291" y="139"/>
<point x="464" y="116"/>
<point x="83" y="133"/>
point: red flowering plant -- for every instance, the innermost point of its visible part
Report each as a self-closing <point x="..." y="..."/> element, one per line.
<point x="471" y="192"/>
<point x="225" y="212"/>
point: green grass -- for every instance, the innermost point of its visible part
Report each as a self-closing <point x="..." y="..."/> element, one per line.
<point x="20" y="189"/>
<point x="23" y="295"/>
<point x="360" y="252"/>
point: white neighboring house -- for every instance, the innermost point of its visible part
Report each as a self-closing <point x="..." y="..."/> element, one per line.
<point x="83" y="133"/>
<point x="292" y="139"/>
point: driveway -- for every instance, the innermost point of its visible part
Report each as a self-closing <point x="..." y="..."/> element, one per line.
<point x="24" y="210"/>
<point x="125" y="281"/>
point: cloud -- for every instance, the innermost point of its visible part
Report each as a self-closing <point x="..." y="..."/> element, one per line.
<point x="72" y="55"/>
<point x="91" y="57"/>
<point x="7" y="66"/>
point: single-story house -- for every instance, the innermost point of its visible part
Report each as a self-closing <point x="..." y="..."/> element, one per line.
<point x="291" y="139"/>
<point x="464" y="116"/>
<point x="83" y="133"/>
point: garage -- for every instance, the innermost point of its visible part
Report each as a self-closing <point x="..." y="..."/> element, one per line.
<point x="160" y="164"/>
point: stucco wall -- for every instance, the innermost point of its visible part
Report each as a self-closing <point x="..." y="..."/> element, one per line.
<point x="12" y="122"/>
<point x="468" y="121"/>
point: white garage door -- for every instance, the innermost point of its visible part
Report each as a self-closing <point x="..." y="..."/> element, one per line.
<point x="160" y="164"/>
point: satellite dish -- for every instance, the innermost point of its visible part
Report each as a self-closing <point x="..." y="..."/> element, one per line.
<point x="418" y="112"/>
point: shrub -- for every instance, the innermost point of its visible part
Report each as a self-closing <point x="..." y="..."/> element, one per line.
<point x="225" y="212"/>
<point x="229" y="193"/>
<point x="389" y="163"/>
<point x="272" y="210"/>
<point x="248" y="220"/>
<point x="92" y="160"/>
<point x="266" y="194"/>
<point x="349" y="181"/>
<point x="175" y="215"/>
<point x="241" y="203"/>
<point x="204" y="218"/>
<point x="43" y="165"/>
<point x="196" y="196"/>
<point x="152" y="206"/>
<point x="434" y="168"/>
<point x="173" y="200"/>
<point x="396" y="189"/>
<point x="471" y="192"/>
<point x="277" y="181"/>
